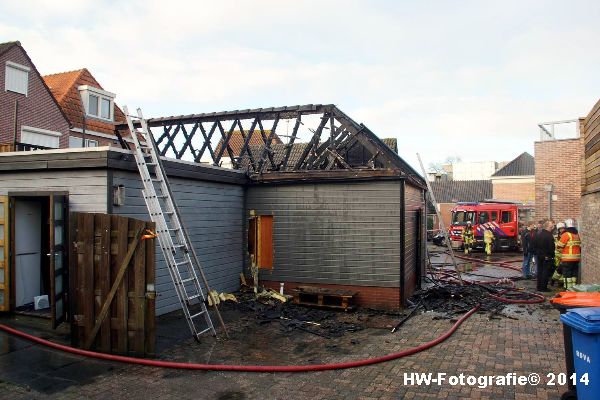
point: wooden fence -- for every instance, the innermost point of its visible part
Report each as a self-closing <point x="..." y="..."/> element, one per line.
<point x="111" y="280"/>
<point x="592" y="150"/>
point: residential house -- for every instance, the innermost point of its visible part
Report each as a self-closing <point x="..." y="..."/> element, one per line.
<point x="30" y="116"/>
<point x="90" y="110"/>
<point x="516" y="180"/>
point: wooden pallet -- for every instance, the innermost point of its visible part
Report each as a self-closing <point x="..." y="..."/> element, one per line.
<point x="323" y="297"/>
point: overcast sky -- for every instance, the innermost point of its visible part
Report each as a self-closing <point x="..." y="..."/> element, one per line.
<point x="447" y="78"/>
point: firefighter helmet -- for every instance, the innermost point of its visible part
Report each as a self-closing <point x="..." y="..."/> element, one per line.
<point x="569" y="223"/>
<point x="560" y="225"/>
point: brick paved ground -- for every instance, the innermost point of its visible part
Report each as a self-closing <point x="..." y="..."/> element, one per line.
<point x="533" y="343"/>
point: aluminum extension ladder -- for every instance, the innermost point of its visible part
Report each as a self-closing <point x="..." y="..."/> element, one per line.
<point x="174" y="241"/>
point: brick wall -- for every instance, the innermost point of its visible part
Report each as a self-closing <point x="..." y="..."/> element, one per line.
<point x="590" y="238"/>
<point x="514" y="191"/>
<point x="37" y="109"/>
<point x="560" y="163"/>
<point x="385" y="298"/>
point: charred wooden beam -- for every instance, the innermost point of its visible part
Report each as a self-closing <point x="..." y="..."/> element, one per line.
<point x="340" y="174"/>
<point x="170" y="142"/>
<point x="288" y="150"/>
<point x="245" y="145"/>
<point x="206" y="144"/>
<point x="165" y="135"/>
<point x="267" y="150"/>
<point x="188" y="142"/>
<point x="314" y="141"/>
<point x="225" y="143"/>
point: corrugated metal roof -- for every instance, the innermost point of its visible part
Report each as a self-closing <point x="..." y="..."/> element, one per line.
<point x="523" y="165"/>
<point x="454" y="191"/>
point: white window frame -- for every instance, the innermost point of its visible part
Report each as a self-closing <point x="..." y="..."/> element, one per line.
<point x="13" y="65"/>
<point x="51" y="135"/>
<point x="88" y="142"/>
<point x="86" y="91"/>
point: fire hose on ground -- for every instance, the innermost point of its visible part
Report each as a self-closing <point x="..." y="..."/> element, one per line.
<point x="445" y="276"/>
<point x="242" y="368"/>
<point x="502" y="264"/>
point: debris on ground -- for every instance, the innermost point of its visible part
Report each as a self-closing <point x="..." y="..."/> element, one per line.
<point x="294" y="318"/>
<point x="215" y="297"/>
<point x="271" y="294"/>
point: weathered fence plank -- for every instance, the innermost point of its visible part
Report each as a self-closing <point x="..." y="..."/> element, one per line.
<point x="123" y="324"/>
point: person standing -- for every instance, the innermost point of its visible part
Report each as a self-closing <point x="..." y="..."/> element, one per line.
<point x="570" y="244"/>
<point x="527" y="236"/>
<point x="545" y="255"/>
<point x="488" y="239"/>
<point x="557" y="277"/>
<point x="467" y="237"/>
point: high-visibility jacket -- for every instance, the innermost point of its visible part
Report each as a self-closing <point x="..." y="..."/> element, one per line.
<point x="468" y="235"/>
<point x="557" y="252"/>
<point x="488" y="236"/>
<point x="571" y="247"/>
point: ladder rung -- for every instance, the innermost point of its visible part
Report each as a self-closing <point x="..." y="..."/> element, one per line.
<point x="198" y="314"/>
<point x="205" y="330"/>
<point x="194" y="297"/>
<point x="178" y="246"/>
<point x="186" y="280"/>
<point x="182" y="263"/>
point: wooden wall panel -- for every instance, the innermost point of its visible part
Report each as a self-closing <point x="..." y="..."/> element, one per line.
<point x="591" y="134"/>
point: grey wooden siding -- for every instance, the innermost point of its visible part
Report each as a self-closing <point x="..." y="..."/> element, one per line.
<point x="413" y="198"/>
<point x="87" y="188"/>
<point x="341" y="233"/>
<point x="213" y="214"/>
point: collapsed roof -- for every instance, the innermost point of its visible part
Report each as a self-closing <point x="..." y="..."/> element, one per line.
<point x="334" y="142"/>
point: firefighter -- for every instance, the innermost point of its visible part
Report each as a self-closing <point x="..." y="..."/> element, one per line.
<point x="557" y="277"/>
<point x="488" y="239"/>
<point x="570" y="246"/>
<point x="467" y="238"/>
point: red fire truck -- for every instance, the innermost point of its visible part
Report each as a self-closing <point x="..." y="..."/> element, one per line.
<point x="501" y="217"/>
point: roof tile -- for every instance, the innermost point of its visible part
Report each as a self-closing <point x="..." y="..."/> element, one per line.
<point x="64" y="87"/>
<point x="455" y="191"/>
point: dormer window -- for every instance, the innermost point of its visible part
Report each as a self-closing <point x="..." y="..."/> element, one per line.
<point x="98" y="103"/>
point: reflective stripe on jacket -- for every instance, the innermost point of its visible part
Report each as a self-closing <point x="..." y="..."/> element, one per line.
<point x="571" y="247"/>
<point x="467" y="235"/>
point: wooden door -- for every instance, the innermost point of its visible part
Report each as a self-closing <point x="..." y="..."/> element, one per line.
<point x="265" y="241"/>
<point x="260" y="241"/>
<point x="4" y="253"/>
<point x="58" y="258"/>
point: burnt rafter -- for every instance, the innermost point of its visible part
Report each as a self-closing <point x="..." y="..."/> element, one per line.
<point x="336" y="143"/>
